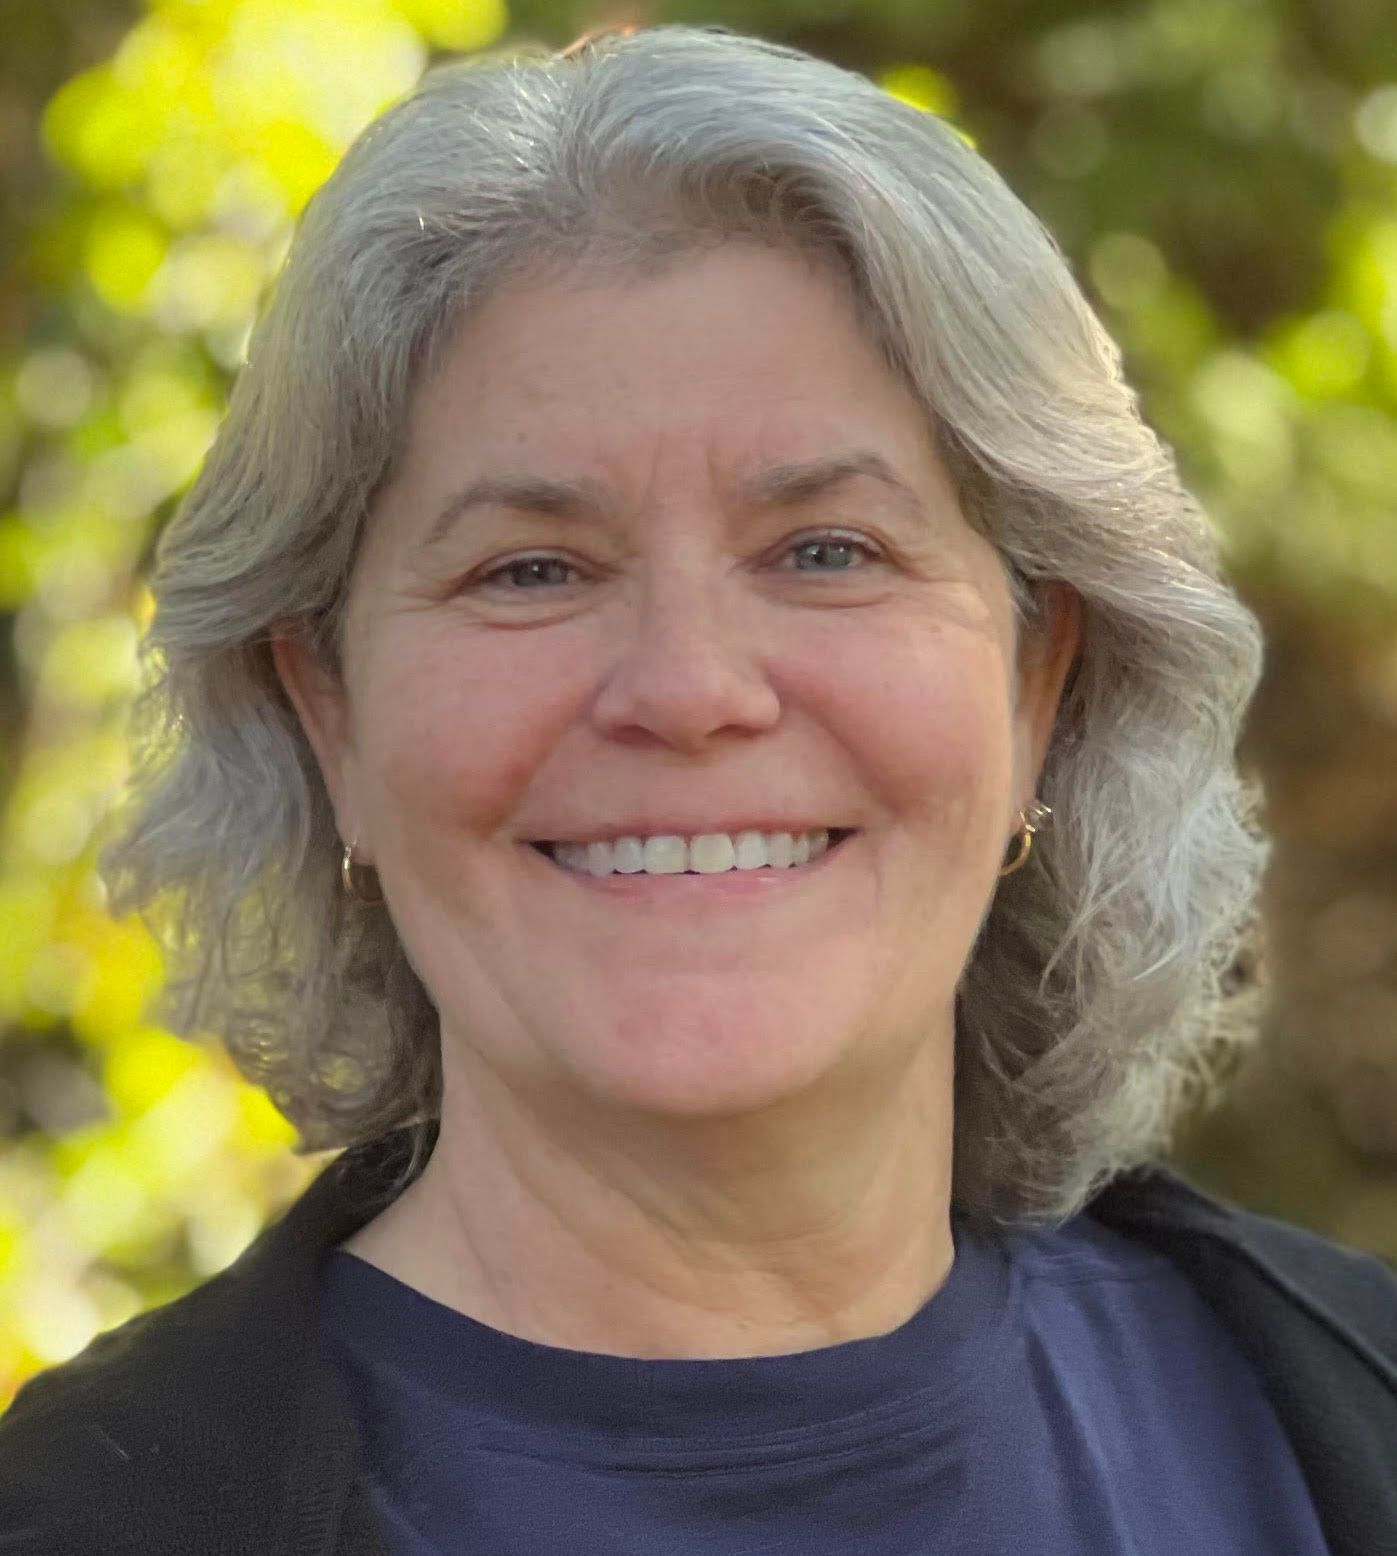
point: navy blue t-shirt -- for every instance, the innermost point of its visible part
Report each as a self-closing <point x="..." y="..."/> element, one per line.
<point x="1064" y="1392"/>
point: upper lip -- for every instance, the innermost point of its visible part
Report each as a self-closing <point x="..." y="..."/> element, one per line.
<point x="651" y="826"/>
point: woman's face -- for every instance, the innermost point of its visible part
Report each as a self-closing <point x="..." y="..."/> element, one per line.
<point x="747" y="600"/>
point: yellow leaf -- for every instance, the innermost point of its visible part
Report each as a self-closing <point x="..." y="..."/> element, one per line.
<point x="123" y="251"/>
<point x="141" y="1069"/>
<point x="922" y="87"/>
<point x="99" y="130"/>
<point x="460" y="25"/>
<point x="123" y="973"/>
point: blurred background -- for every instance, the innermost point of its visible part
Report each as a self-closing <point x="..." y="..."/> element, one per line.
<point x="1223" y="177"/>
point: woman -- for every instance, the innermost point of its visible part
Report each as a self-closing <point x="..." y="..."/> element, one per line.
<point x="679" y="536"/>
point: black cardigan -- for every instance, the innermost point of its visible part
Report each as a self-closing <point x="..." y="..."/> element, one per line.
<point x="213" y="1426"/>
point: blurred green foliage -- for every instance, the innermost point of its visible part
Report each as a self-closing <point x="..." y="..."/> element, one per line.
<point x="1222" y="173"/>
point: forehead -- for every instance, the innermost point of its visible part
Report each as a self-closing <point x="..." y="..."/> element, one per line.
<point x="751" y="351"/>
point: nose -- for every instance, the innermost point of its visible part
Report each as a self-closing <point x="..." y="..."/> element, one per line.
<point x="686" y="671"/>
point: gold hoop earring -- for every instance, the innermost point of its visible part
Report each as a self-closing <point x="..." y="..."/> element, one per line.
<point x="1030" y="821"/>
<point x="352" y="887"/>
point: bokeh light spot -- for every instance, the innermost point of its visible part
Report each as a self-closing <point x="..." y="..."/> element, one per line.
<point x="123" y="252"/>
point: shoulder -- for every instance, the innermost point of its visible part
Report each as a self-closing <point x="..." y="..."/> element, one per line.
<point x="1238" y="1257"/>
<point x="163" y="1434"/>
<point x="78" y="1439"/>
<point x="210" y="1424"/>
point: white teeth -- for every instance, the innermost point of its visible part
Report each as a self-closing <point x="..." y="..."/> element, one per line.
<point x="710" y="853"/>
<point x="666" y="855"/>
<point x="750" y="853"/>
<point x="628" y="855"/>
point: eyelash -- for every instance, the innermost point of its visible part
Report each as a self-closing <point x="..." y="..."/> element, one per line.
<point x="824" y="537"/>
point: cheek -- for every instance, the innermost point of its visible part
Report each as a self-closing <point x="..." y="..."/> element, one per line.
<point x="925" y="715"/>
<point x="453" y="728"/>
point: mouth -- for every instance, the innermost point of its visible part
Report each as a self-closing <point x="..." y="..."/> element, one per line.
<point x="837" y="837"/>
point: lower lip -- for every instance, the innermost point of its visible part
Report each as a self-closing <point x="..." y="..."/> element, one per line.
<point x="686" y="885"/>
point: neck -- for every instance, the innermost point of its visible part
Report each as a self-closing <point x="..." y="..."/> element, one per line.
<point x="823" y="1219"/>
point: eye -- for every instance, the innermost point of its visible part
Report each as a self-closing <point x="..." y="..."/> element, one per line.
<point x="831" y="552"/>
<point x="839" y="549"/>
<point x="526" y="572"/>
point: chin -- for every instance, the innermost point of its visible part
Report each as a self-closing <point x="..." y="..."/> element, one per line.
<point x="712" y="1061"/>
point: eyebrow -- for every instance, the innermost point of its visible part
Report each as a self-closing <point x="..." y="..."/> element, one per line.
<point x="785" y="484"/>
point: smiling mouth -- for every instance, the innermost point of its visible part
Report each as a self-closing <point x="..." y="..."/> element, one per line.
<point x="837" y="836"/>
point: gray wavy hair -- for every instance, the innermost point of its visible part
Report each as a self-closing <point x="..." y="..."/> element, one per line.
<point x="1095" y="1004"/>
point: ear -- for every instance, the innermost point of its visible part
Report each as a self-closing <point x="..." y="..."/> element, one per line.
<point x="322" y="704"/>
<point x="1046" y="655"/>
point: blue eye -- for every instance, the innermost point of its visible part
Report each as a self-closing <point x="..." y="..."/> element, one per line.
<point x="835" y="545"/>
